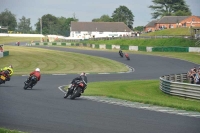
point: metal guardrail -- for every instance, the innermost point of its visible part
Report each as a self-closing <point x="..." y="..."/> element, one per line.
<point x="172" y="84"/>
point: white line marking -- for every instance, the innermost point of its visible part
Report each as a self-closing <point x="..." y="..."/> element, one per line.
<point x="183" y="113"/>
<point x="195" y="115"/>
<point x="145" y="107"/>
<point x="60" y="88"/>
<point x="59" y="74"/>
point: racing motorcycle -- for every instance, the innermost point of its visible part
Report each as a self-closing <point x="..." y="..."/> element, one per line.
<point x="3" y="76"/>
<point x="30" y="82"/>
<point x="76" y="89"/>
<point x="121" y="54"/>
<point x="127" y="56"/>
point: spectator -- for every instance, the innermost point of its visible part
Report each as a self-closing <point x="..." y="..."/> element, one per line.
<point x="197" y="78"/>
<point x="191" y="76"/>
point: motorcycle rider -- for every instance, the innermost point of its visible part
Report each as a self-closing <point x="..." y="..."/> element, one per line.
<point x="126" y="54"/>
<point x="82" y="77"/>
<point x="35" y="73"/>
<point x="10" y="71"/>
<point x="120" y="52"/>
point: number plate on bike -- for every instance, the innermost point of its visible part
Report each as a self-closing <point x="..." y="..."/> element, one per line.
<point x="3" y="78"/>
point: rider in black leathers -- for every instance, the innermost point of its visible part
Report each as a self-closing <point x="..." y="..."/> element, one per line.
<point x="82" y="77"/>
<point x="120" y="52"/>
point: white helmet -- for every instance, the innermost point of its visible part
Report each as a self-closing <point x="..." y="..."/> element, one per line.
<point x="82" y="74"/>
<point x="37" y="69"/>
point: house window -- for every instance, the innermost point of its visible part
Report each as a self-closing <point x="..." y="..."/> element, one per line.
<point x="193" y="19"/>
<point x="78" y="32"/>
<point x="100" y="32"/>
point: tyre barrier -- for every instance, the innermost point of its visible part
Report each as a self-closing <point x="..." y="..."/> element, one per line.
<point x="173" y="85"/>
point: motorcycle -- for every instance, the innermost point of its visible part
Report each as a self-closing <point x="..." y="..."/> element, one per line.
<point x="76" y="89"/>
<point x="3" y="76"/>
<point x="30" y="82"/>
<point x="121" y="54"/>
<point x="127" y="56"/>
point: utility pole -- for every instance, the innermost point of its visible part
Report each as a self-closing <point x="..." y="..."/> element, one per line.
<point x="41" y="27"/>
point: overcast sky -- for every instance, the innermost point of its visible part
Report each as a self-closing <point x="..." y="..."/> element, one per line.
<point x="84" y="10"/>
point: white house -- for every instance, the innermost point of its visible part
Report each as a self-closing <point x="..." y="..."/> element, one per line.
<point x="86" y="30"/>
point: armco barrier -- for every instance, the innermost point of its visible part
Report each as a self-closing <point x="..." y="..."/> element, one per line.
<point x="172" y="84"/>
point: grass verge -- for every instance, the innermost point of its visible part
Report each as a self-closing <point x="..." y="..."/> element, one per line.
<point x="143" y="91"/>
<point x="3" y="130"/>
<point x="173" y="32"/>
<point x="4" y="40"/>
<point x="26" y="59"/>
<point x="170" y="42"/>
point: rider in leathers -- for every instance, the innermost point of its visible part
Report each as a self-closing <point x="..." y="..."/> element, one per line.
<point x="82" y="77"/>
<point x="10" y="70"/>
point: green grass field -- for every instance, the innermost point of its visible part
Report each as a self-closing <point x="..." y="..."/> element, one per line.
<point x="181" y="42"/>
<point x="174" y="31"/>
<point x="5" y="40"/>
<point x="26" y="59"/>
<point x="143" y="91"/>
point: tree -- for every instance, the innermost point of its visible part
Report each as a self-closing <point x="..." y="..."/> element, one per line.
<point x="103" y="18"/>
<point x="64" y="25"/>
<point x="181" y="13"/>
<point x="169" y="7"/>
<point x="8" y="19"/>
<point x="139" y="28"/>
<point x="24" y="25"/>
<point x="68" y="24"/>
<point x="123" y="14"/>
<point x="49" y="24"/>
<point x="55" y="25"/>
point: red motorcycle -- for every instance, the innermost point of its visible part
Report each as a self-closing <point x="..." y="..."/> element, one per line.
<point x="76" y="89"/>
<point x="127" y="56"/>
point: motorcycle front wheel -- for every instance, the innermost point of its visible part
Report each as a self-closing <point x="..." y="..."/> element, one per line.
<point x="76" y="92"/>
<point x="27" y="85"/>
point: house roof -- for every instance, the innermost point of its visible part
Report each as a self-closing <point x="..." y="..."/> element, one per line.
<point x="100" y="26"/>
<point x="151" y="24"/>
<point x="171" y="19"/>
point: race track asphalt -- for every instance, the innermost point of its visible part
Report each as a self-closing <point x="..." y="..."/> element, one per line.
<point x="44" y="110"/>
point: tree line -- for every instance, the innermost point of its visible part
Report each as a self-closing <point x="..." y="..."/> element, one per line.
<point x="61" y="25"/>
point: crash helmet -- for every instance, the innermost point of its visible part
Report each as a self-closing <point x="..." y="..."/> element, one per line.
<point x="10" y="66"/>
<point x="83" y="74"/>
<point x="37" y="69"/>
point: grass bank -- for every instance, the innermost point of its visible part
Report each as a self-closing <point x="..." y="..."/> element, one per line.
<point x="173" y="32"/>
<point x="5" y="40"/>
<point x="181" y="42"/>
<point x="143" y="91"/>
<point x="26" y="59"/>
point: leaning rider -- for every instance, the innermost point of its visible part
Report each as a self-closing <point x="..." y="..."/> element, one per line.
<point x="35" y="73"/>
<point x="10" y="70"/>
<point x="120" y="52"/>
<point x="82" y="77"/>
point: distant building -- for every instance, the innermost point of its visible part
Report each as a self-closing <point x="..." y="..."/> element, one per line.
<point x="167" y="22"/>
<point x="86" y="30"/>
